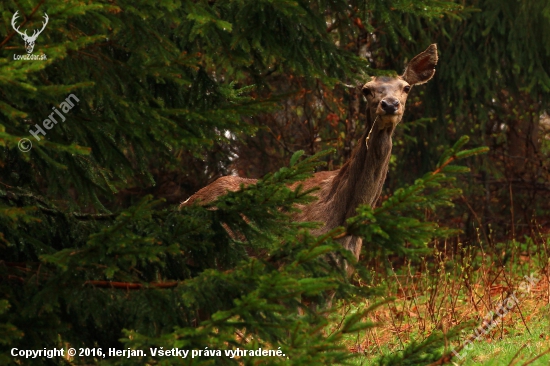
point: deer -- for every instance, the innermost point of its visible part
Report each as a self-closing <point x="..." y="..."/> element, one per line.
<point x="29" y="40"/>
<point x="360" y="180"/>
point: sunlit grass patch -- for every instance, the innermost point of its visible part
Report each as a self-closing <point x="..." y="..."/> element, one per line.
<point x="446" y="291"/>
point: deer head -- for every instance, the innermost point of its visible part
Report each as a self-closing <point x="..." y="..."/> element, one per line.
<point x="29" y="40"/>
<point x="387" y="96"/>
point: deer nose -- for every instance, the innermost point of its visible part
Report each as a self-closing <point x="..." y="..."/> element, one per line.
<point x="389" y="105"/>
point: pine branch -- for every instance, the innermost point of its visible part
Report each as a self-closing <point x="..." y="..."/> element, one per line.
<point x="17" y="197"/>
<point x="447" y="162"/>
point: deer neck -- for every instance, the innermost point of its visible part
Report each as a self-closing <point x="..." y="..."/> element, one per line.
<point x="361" y="179"/>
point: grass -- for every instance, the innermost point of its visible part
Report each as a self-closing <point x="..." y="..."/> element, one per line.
<point x="446" y="290"/>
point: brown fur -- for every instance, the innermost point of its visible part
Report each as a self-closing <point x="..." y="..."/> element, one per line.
<point x="218" y="188"/>
<point x="360" y="180"/>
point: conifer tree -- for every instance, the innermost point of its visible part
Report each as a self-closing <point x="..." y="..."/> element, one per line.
<point x="94" y="253"/>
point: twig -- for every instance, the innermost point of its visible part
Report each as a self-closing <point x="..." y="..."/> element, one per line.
<point x="79" y="216"/>
<point x="130" y="285"/>
<point x="368" y="136"/>
<point x="517" y="354"/>
<point x="512" y="211"/>
<point x="449" y="161"/>
<point x="536" y="358"/>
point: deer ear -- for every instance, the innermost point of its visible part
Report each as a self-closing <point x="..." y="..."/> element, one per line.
<point x="422" y="66"/>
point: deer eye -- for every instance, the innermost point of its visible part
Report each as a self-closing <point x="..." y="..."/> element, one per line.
<point x="366" y="92"/>
<point x="407" y="89"/>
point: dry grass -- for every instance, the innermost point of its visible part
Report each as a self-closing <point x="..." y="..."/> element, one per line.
<point x="445" y="290"/>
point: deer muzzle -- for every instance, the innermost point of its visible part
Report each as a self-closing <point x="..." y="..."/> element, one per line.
<point x="389" y="112"/>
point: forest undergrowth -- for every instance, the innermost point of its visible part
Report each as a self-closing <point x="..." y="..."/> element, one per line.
<point x="460" y="284"/>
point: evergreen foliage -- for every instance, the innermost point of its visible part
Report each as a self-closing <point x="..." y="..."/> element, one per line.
<point x="401" y="225"/>
<point x="187" y="262"/>
<point x="93" y="252"/>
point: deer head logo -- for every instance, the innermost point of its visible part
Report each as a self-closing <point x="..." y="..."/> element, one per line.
<point x="29" y="40"/>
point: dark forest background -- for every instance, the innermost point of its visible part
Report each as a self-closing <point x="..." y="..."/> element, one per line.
<point x="175" y="94"/>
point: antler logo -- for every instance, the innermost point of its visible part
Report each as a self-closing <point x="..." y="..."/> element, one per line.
<point x="29" y="40"/>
